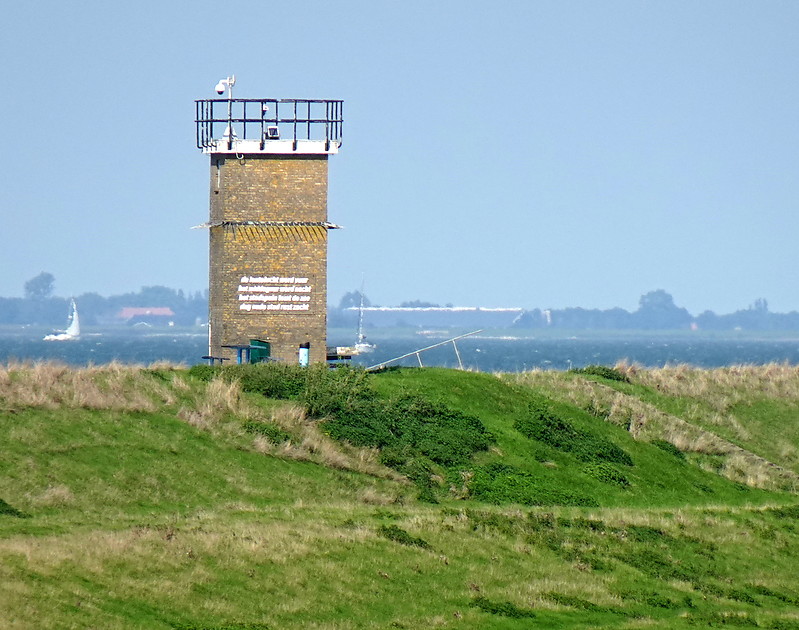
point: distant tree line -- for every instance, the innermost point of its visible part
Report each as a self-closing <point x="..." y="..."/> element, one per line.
<point x="656" y="311"/>
<point x="40" y="306"/>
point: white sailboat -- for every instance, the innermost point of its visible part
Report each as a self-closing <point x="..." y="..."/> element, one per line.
<point x="362" y="346"/>
<point x="73" y="329"/>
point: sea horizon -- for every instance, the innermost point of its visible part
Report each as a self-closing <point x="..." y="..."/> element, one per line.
<point x="495" y="350"/>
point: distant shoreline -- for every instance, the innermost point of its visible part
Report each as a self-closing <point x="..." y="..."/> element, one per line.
<point x="344" y="334"/>
<point x="561" y="333"/>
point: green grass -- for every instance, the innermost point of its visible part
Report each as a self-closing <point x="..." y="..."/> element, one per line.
<point x="221" y="509"/>
<point x="657" y="478"/>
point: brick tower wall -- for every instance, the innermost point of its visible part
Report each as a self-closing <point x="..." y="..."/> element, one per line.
<point x="268" y="282"/>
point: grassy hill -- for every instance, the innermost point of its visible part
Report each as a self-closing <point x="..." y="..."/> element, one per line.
<point x="271" y="497"/>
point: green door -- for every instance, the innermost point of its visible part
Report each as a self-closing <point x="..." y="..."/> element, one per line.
<point x="260" y="351"/>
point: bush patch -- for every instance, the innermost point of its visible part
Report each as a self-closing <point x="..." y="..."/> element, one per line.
<point x="399" y="535"/>
<point x="271" y="432"/>
<point x="8" y="510"/>
<point x="668" y="447"/>
<point x="540" y="423"/>
<point x="604" y="472"/>
<point x="504" y="609"/>
<point x="500" y="483"/>
<point x="603" y="371"/>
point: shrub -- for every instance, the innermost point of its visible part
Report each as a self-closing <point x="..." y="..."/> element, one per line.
<point x="399" y="535"/>
<point x="652" y="599"/>
<point x="8" y="510"/>
<point x="663" y="445"/>
<point x="703" y="487"/>
<point x="540" y="423"/>
<point x="505" y="609"/>
<point x="789" y="512"/>
<point x="273" y="380"/>
<point x="499" y="483"/>
<point x="739" y="595"/>
<point x="646" y="534"/>
<point x="603" y="371"/>
<point x="331" y="392"/>
<point x="604" y="472"/>
<point x="658" y="565"/>
<point x="362" y="423"/>
<point x="427" y="494"/>
<point x="274" y="434"/>
<point x="414" y="434"/>
<point x="768" y="592"/>
<point x="418" y="469"/>
<point x="203" y="372"/>
<point x="407" y="427"/>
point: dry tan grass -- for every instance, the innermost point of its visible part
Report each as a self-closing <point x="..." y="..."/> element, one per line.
<point x="598" y="399"/>
<point x="313" y="445"/>
<point x="175" y="550"/>
<point x="217" y="401"/>
<point x="721" y="388"/>
<point x="53" y="496"/>
<point x="738" y="463"/>
<point x="218" y="406"/>
<point x="221" y="406"/>
<point x="52" y="385"/>
<point x="372" y="496"/>
<point x="163" y="365"/>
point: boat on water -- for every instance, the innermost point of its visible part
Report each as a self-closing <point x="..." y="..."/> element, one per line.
<point x="73" y="328"/>
<point x="361" y="346"/>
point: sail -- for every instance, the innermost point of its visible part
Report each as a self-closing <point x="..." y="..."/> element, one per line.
<point x="73" y="330"/>
<point x="361" y="336"/>
<point x="361" y="345"/>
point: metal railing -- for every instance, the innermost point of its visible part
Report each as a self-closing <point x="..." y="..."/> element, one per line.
<point x="418" y="353"/>
<point x="227" y="119"/>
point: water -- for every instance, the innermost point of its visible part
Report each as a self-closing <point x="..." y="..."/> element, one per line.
<point x="511" y="355"/>
<point x="481" y="353"/>
<point x="104" y="348"/>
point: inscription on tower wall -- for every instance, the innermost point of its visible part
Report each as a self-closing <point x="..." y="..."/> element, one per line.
<point x="274" y="293"/>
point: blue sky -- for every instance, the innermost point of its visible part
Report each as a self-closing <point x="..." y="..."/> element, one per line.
<point x="517" y="153"/>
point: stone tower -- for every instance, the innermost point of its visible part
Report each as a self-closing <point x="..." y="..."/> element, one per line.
<point x="268" y="223"/>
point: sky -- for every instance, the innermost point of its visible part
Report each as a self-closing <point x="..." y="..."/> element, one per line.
<point x="535" y="154"/>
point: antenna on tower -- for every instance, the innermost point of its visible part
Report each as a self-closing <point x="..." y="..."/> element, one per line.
<point x="227" y="84"/>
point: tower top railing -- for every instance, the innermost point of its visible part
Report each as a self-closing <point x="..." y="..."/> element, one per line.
<point x="286" y="125"/>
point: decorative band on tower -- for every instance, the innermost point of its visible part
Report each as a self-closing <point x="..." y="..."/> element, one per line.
<point x="268" y="223"/>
